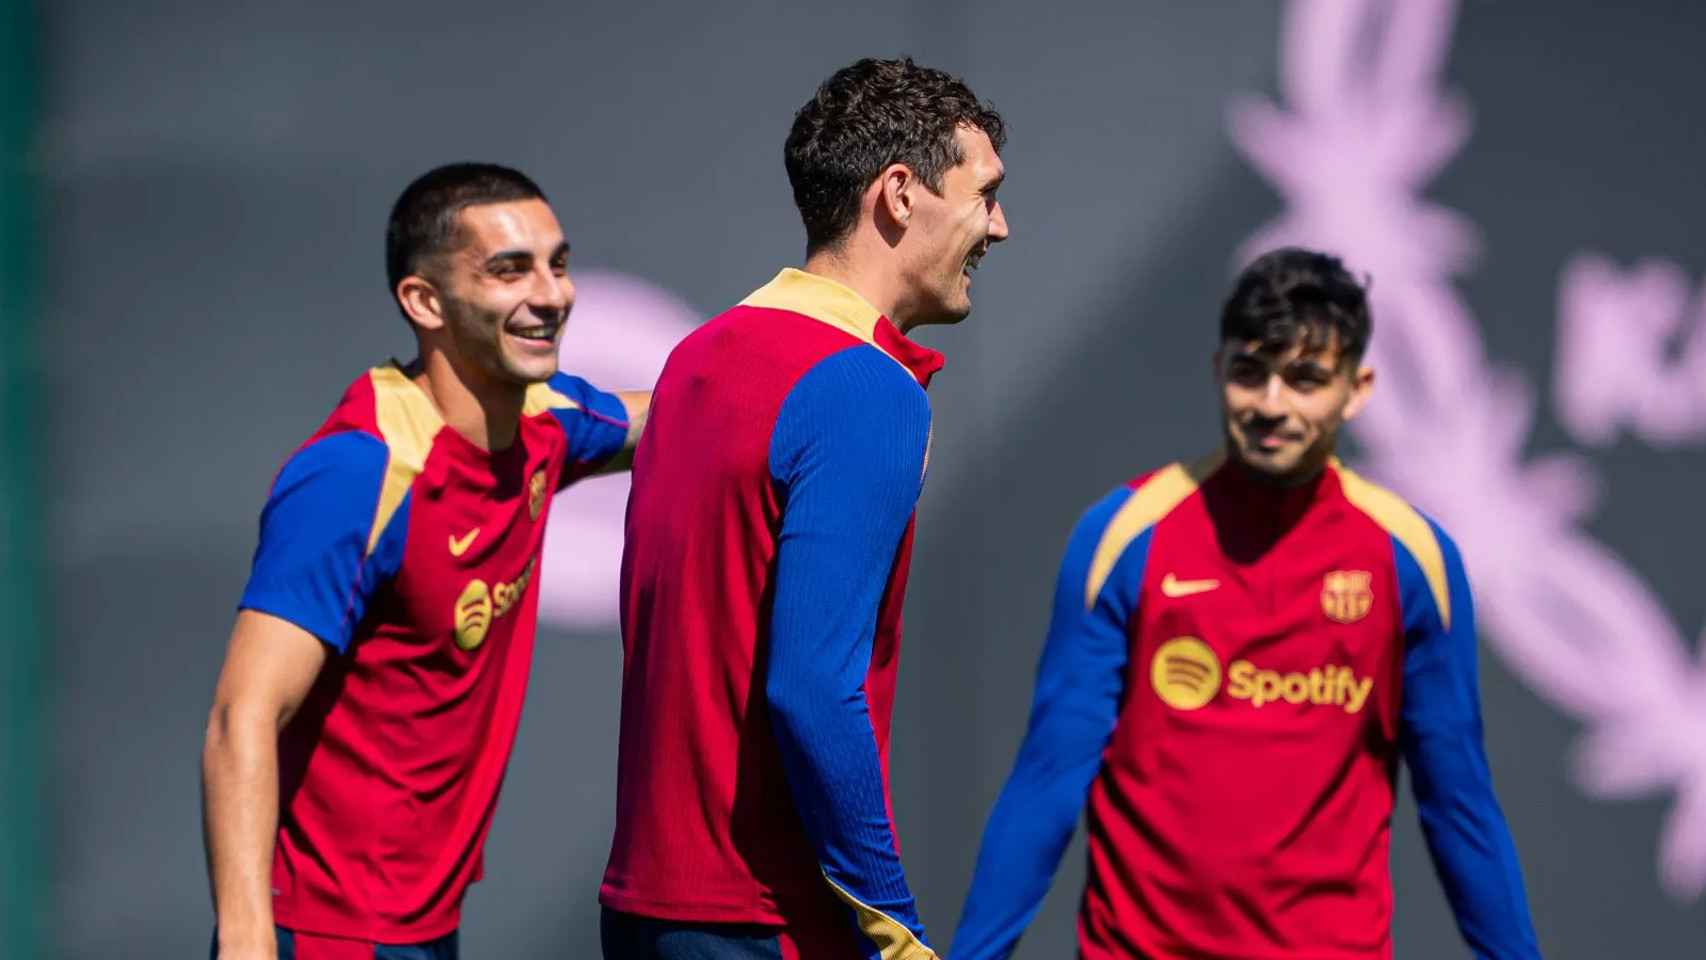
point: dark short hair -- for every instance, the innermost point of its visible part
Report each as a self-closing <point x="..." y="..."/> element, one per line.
<point x="1290" y="295"/>
<point x="423" y="221"/>
<point x="869" y="115"/>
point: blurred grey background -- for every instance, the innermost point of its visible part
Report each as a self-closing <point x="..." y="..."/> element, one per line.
<point x="217" y="177"/>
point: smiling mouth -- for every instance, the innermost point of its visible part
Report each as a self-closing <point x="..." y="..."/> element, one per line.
<point x="535" y="332"/>
<point x="973" y="259"/>
<point x="1269" y="439"/>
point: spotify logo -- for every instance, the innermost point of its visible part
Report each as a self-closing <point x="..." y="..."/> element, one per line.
<point x="473" y="614"/>
<point x="1185" y="673"/>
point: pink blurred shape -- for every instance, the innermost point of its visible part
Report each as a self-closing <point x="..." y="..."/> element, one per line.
<point x="1366" y="126"/>
<point x="619" y="335"/>
<point x="1628" y="355"/>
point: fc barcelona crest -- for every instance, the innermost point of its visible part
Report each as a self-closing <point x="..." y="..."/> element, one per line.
<point x="1347" y="595"/>
<point x="536" y="493"/>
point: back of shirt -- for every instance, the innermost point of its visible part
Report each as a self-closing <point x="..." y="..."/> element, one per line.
<point x="737" y="485"/>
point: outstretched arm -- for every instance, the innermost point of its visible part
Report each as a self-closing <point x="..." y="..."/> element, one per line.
<point x="637" y="403"/>
<point x="601" y="428"/>
<point x="1441" y="738"/>
<point x="1079" y="685"/>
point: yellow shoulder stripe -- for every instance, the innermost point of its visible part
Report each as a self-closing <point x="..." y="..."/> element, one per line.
<point x="407" y="422"/>
<point x="893" y="940"/>
<point x="1402" y="521"/>
<point x="1168" y="488"/>
<point x="825" y="301"/>
<point x="540" y="398"/>
<point x="821" y="299"/>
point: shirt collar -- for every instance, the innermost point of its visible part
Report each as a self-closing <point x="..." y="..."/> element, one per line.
<point x="827" y="301"/>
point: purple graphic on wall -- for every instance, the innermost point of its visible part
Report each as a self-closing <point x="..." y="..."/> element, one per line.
<point x="1631" y="353"/>
<point x="620" y="332"/>
<point x="1364" y="126"/>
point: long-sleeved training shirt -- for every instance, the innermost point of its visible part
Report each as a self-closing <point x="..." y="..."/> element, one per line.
<point x="768" y="537"/>
<point x="1230" y="678"/>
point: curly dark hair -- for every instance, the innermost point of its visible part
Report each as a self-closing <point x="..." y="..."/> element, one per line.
<point x="423" y="221"/>
<point x="866" y="116"/>
<point x="1291" y="294"/>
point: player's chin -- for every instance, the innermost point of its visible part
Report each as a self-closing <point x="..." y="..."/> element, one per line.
<point x="1273" y="462"/>
<point x="956" y="306"/>
<point x="534" y="364"/>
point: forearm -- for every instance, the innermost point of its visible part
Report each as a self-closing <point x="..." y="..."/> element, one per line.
<point x="1080" y="684"/>
<point x="1441" y="737"/>
<point x="638" y="403"/>
<point x="239" y="825"/>
<point x="1021" y="848"/>
<point x="1471" y="846"/>
<point x="835" y="774"/>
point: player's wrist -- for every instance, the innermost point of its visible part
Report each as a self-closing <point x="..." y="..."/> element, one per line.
<point x="246" y="940"/>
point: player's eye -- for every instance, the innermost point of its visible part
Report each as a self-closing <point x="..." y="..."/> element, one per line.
<point x="508" y="268"/>
<point x="1308" y="378"/>
<point x="1246" y="374"/>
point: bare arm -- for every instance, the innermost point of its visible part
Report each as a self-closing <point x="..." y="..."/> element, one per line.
<point x="269" y="667"/>
<point x="638" y="404"/>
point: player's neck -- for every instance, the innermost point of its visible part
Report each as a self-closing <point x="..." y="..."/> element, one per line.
<point x="870" y="276"/>
<point x="486" y="413"/>
<point x="1306" y="478"/>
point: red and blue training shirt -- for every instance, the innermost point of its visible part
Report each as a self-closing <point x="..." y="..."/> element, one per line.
<point x="412" y="554"/>
<point x="769" y="532"/>
<point x="1231" y="675"/>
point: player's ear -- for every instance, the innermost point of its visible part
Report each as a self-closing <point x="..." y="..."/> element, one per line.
<point x="895" y="188"/>
<point x="420" y="300"/>
<point x="1362" y="387"/>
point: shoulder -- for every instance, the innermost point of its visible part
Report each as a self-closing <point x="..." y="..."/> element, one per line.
<point x="1148" y="498"/>
<point x="385" y="405"/>
<point x="340" y="453"/>
<point x="362" y="461"/>
<point x="566" y="393"/>
<point x="776" y="334"/>
<point x="1121" y="521"/>
<point x="1409" y="528"/>
<point x="859" y="381"/>
<point x="351" y="443"/>
<point x="1422" y="551"/>
<point x="860" y="411"/>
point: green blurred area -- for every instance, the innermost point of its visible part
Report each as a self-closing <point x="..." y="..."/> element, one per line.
<point x="22" y="884"/>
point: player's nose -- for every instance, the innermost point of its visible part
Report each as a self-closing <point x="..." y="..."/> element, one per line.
<point x="552" y="293"/>
<point x="1270" y="402"/>
<point x="998" y="224"/>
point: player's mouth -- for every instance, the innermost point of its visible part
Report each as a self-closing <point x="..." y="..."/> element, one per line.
<point x="1271" y="440"/>
<point x="541" y="335"/>
<point x="973" y="259"/>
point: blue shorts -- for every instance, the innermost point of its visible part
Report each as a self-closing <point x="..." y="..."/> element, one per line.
<point x="309" y="946"/>
<point x="626" y="936"/>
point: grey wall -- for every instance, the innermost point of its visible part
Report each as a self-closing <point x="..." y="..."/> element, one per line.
<point x="218" y="178"/>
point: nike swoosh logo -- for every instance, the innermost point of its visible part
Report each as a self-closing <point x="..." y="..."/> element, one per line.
<point x="459" y="547"/>
<point x="1174" y="587"/>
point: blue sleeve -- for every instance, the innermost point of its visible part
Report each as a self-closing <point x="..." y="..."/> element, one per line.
<point x="596" y="426"/>
<point x="1440" y="732"/>
<point x="320" y="558"/>
<point x="847" y="457"/>
<point x="1080" y="682"/>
